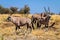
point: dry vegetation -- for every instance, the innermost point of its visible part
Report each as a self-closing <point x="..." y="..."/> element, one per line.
<point x="7" y="30"/>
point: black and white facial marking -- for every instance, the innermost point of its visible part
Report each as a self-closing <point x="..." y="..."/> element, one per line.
<point x="9" y="18"/>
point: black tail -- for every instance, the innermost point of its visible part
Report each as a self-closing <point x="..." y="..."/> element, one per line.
<point x="52" y="24"/>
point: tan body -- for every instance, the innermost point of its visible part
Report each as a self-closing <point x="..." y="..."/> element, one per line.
<point x="20" y="21"/>
<point x="41" y="19"/>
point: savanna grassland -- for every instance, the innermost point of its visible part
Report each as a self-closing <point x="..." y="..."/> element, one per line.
<point x="7" y="30"/>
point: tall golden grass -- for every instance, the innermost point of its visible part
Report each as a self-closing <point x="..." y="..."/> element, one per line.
<point x="7" y="28"/>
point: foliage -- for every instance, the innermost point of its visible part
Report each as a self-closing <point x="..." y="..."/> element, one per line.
<point x="13" y="9"/>
<point x="4" y="10"/>
<point x="25" y="10"/>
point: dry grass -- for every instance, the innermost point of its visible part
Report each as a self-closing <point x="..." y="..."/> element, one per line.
<point x="7" y="29"/>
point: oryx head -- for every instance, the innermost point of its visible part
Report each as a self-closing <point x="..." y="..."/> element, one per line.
<point x="9" y="17"/>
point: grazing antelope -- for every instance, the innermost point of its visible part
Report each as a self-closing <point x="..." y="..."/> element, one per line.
<point x="20" y="21"/>
<point x="35" y="17"/>
<point x="42" y="18"/>
<point x="44" y="21"/>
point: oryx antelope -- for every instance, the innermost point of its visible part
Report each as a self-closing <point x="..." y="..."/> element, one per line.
<point x="42" y="18"/>
<point x="20" y="21"/>
<point x="44" y="21"/>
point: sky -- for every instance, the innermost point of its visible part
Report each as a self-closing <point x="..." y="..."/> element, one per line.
<point x="36" y="6"/>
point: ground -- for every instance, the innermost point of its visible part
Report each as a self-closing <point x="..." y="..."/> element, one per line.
<point x="7" y="30"/>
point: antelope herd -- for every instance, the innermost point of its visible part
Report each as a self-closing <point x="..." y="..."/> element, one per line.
<point x="38" y="19"/>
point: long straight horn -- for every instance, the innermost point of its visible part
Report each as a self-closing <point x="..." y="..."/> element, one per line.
<point x="49" y="9"/>
<point x="45" y="9"/>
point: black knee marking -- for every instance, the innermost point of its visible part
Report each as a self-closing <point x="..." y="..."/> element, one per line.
<point x="38" y="25"/>
<point x="32" y="25"/>
<point x="16" y="28"/>
<point x="27" y="25"/>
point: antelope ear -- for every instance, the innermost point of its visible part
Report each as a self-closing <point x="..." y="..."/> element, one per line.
<point x="10" y="14"/>
<point x="9" y="18"/>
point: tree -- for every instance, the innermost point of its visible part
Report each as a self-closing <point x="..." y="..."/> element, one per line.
<point x="14" y="9"/>
<point x="4" y="10"/>
<point x="25" y="10"/>
<point x="1" y="9"/>
<point x="21" y="11"/>
<point x="7" y="11"/>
